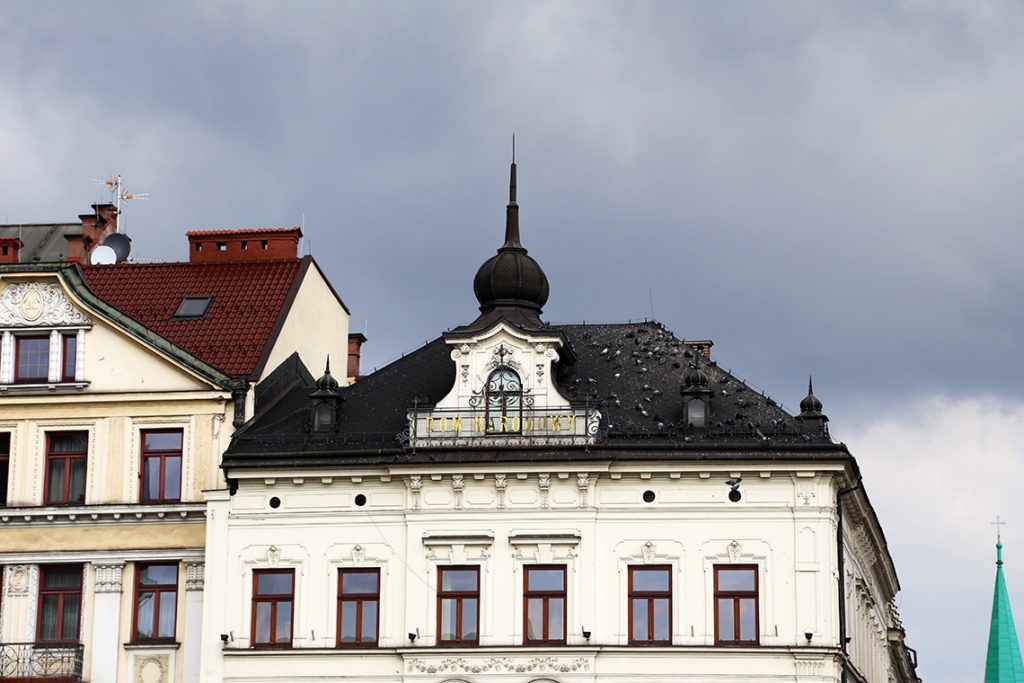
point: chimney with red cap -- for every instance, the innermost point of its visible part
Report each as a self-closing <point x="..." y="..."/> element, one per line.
<point x="255" y="244"/>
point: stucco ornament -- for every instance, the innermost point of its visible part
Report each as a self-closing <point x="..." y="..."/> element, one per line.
<point x="38" y="304"/>
<point x="649" y="550"/>
<point x="735" y="550"/>
<point x="151" y="669"/>
<point x="510" y="664"/>
<point x="17" y="580"/>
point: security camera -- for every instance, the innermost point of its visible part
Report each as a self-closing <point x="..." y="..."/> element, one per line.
<point x="224" y="638"/>
<point x="808" y="635"/>
<point x="734" y="489"/>
<point x="586" y="634"/>
<point x="412" y="637"/>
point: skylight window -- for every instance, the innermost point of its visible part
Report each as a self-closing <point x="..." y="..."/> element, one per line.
<point x="193" y="308"/>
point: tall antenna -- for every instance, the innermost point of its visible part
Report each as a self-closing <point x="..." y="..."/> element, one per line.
<point x="119" y="193"/>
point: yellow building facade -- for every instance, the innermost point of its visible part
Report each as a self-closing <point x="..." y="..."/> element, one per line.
<point x="109" y="435"/>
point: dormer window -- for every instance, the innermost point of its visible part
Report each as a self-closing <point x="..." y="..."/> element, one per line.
<point x="504" y="399"/>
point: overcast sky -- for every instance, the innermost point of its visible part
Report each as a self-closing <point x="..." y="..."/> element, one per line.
<point x="826" y="188"/>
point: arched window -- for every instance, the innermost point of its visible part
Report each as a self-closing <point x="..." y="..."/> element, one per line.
<point x="504" y="398"/>
<point x="696" y="413"/>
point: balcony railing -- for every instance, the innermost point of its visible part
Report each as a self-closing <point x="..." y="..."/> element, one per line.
<point x="40" y="662"/>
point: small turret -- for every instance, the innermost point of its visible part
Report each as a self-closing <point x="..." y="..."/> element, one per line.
<point x="810" y="410"/>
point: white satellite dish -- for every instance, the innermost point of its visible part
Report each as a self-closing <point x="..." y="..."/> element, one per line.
<point x="103" y="256"/>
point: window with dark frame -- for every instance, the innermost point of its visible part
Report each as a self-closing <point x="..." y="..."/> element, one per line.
<point x="5" y="465"/>
<point x="544" y="605"/>
<point x="650" y="605"/>
<point x="273" y="596"/>
<point x="358" y="607"/>
<point x="66" y="456"/>
<point x="503" y="399"/>
<point x="60" y="603"/>
<point x="156" y="602"/>
<point x="458" y="605"/>
<point x="31" y="359"/>
<point x="192" y="308"/>
<point x="161" y="465"/>
<point x="736" y="609"/>
<point x="70" y="359"/>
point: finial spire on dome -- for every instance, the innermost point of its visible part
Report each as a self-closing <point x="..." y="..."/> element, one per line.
<point x="510" y="285"/>
<point x="810" y="385"/>
<point x="512" y="210"/>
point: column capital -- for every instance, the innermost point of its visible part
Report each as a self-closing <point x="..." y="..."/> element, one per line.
<point x="195" y="575"/>
<point x="109" y="577"/>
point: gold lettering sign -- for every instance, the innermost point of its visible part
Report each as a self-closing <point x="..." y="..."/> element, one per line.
<point x="500" y="424"/>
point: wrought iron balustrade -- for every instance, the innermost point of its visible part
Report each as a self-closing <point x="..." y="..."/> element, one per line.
<point x="40" y="662"/>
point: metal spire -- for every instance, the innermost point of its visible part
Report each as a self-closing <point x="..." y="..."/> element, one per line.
<point x="512" y="210"/>
<point x="1003" y="663"/>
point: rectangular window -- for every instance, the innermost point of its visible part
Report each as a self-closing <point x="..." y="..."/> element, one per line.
<point x="458" y="605"/>
<point x="192" y="308"/>
<point x="70" y="342"/>
<point x="65" y="467"/>
<point x="156" y="601"/>
<point x="161" y="465"/>
<point x="736" y="605"/>
<point x="5" y="465"/>
<point x="358" y="607"/>
<point x="60" y="603"/>
<point x="273" y="594"/>
<point x="650" y="605"/>
<point x="544" y="605"/>
<point x="31" y="359"/>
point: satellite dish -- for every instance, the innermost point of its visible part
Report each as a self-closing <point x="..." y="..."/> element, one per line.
<point x="120" y="243"/>
<point x="103" y="256"/>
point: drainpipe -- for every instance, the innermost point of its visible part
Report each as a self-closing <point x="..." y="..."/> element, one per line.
<point x="842" y="573"/>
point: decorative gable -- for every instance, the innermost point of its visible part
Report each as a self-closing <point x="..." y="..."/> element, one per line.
<point x="39" y="304"/>
<point x="504" y="395"/>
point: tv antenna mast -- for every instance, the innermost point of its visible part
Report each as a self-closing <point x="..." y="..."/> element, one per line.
<point x="119" y="193"/>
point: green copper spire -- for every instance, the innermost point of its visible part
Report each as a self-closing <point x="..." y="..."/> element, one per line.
<point x="1004" y="662"/>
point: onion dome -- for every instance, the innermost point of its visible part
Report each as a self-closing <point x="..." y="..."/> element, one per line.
<point x="511" y="283"/>
<point x="326" y="382"/>
<point x="696" y="378"/>
<point x="810" y="406"/>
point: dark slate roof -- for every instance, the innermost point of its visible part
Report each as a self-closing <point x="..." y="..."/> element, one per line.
<point x="43" y="242"/>
<point x="632" y="371"/>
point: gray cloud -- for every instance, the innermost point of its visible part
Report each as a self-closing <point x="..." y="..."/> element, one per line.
<point x="819" y="188"/>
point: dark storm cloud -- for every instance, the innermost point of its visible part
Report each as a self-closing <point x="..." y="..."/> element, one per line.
<point x="819" y="188"/>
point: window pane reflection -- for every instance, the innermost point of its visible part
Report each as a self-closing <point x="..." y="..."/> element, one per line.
<point x="556" y="622"/>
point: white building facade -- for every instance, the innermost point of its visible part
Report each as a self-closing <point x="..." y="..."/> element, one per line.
<point x="518" y="501"/>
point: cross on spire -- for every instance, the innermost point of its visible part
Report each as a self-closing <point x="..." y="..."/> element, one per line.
<point x="998" y="523"/>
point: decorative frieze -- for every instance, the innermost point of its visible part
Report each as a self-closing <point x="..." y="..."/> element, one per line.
<point x="108" y="577"/>
<point x="476" y="665"/>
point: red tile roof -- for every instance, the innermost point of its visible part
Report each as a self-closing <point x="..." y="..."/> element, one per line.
<point x="238" y="325"/>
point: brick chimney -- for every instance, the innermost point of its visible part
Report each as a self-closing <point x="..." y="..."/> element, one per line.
<point x="10" y="247"/>
<point x="95" y="228"/>
<point x="355" y="345"/>
<point x="257" y="244"/>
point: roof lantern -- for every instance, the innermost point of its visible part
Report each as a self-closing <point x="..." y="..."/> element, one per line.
<point x="810" y="409"/>
<point x="325" y="402"/>
<point x="511" y="284"/>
